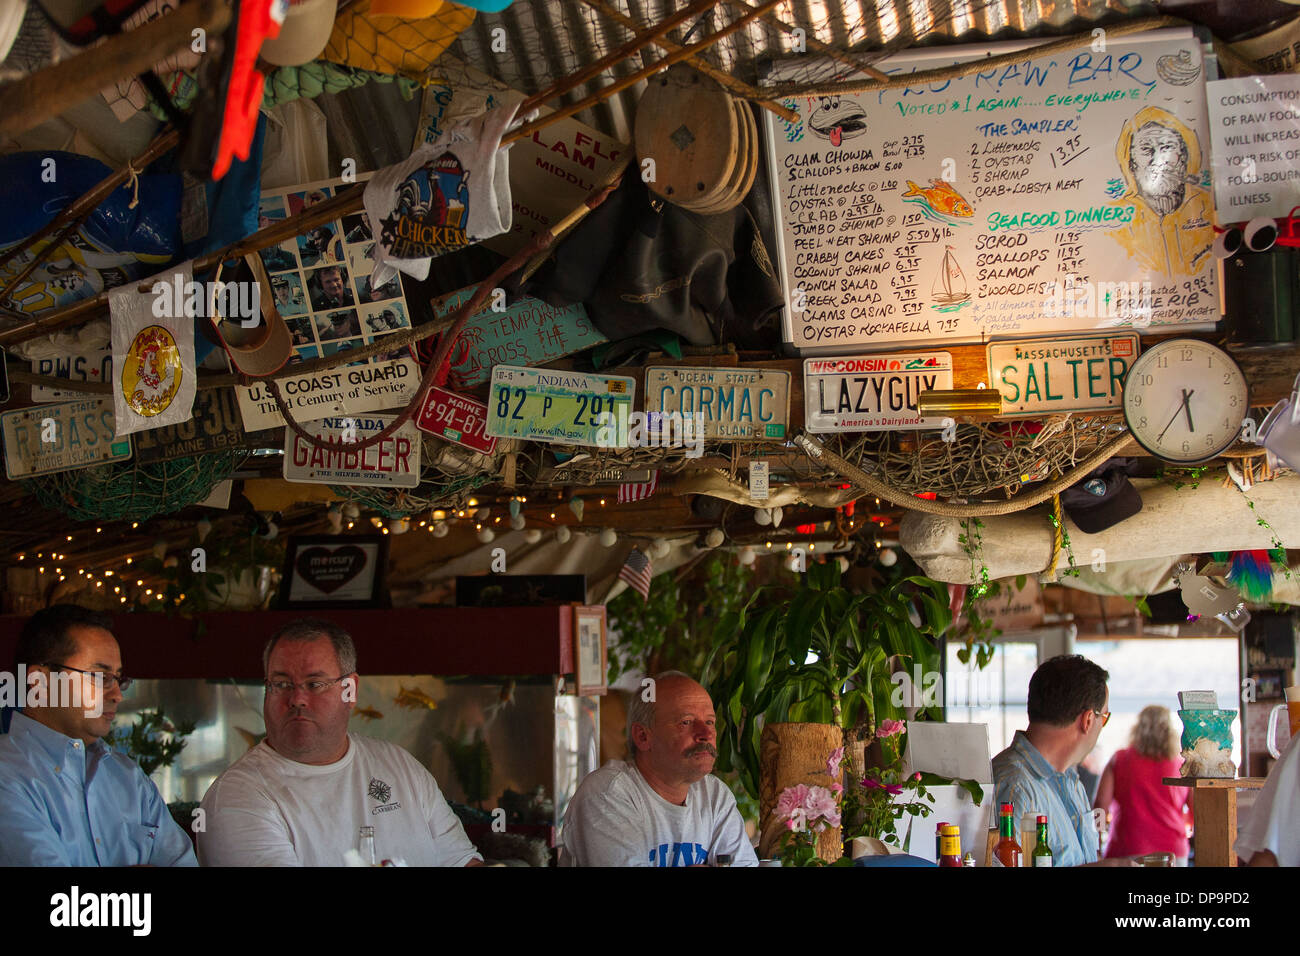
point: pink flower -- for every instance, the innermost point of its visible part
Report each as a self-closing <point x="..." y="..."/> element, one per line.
<point x="833" y="762"/>
<point x="889" y="788"/>
<point x="790" y="806"/>
<point x="890" y="728"/>
<point x="821" y="803"/>
<point x="837" y="788"/>
<point x="917" y="775"/>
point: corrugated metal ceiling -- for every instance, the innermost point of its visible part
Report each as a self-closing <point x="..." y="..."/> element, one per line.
<point x="549" y="39"/>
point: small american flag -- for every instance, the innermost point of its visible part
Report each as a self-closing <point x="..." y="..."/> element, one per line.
<point x="637" y="490"/>
<point x="637" y="572"/>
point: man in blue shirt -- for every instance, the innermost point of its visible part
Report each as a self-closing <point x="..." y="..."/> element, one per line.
<point x="67" y="799"/>
<point x="1068" y="701"/>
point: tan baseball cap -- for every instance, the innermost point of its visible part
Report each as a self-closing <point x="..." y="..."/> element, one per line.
<point x="262" y="348"/>
<point x="304" y="33"/>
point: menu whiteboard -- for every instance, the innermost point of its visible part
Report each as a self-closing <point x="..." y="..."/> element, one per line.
<point x="1064" y="193"/>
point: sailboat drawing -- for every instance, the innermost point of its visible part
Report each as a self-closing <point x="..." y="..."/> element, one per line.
<point x="949" y="292"/>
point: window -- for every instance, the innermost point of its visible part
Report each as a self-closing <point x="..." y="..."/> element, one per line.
<point x="996" y="695"/>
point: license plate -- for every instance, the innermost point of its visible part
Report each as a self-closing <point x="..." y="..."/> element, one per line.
<point x="457" y="419"/>
<point x="215" y="426"/>
<point x="93" y="366"/>
<point x="1045" y="376"/>
<point x="733" y="403"/>
<point x="865" y="393"/>
<point x="393" y="463"/>
<point x="50" y="438"/>
<point x="566" y="408"/>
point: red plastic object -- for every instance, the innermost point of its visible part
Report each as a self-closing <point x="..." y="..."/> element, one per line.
<point x="258" y="21"/>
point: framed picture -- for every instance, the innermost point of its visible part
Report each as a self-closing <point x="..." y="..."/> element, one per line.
<point x="335" y="571"/>
<point x="589" y="649"/>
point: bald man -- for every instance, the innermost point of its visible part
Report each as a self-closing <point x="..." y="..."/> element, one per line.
<point x="664" y="807"/>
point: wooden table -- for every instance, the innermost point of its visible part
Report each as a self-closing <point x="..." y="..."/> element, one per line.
<point x="1214" y="814"/>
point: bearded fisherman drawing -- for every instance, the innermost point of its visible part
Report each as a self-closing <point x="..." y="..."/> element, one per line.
<point x="1160" y="160"/>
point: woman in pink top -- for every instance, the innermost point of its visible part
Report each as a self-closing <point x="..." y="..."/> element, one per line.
<point x="1147" y="816"/>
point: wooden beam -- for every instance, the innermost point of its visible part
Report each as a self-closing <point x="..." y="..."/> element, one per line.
<point x="33" y="99"/>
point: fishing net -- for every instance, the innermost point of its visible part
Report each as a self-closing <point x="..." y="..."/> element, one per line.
<point x="448" y="475"/>
<point x="388" y="44"/>
<point x="131" y="491"/>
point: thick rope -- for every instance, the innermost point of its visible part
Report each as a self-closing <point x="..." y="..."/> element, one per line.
<point x="1056" y="536"/>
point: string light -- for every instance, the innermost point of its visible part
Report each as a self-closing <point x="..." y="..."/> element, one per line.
<point x="439" y="515"/>
<point x="42" y="570"/>
<point x="99" y="584"/>
<point x="350" y="525"/>
<point x="139" y="583"/>
<point x="62" y="578"/>
<point x="384" y="530"/>
<point x="98" y="530"/>
<point x="768" y="545"/>
<point x="108" y="573"/>
<point x="117" y="589"/>
<point x="134" y="525"/>
<point x="788" y="545"/>
<point x="497" y="519"/>
<point x="552" y="515"/>
<point x="148" y="591"/>
<point x="812" y="546"/>
<point x="473" y="502"/>
<point x="129" y="560"/>
<point x="21" y="556"/>
<point x="123" y="600"/>
<point x="602" y="502"/>
<point x="69" y="537"/>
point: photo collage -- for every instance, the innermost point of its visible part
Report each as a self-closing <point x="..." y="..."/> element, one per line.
<point x="322" y="280"/>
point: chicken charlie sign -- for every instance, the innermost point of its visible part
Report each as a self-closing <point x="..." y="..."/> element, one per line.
<point x="153" y="357"/>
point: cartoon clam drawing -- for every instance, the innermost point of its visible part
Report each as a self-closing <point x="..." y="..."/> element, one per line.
<point x="1178" y="70"/>
<point x="838" y="118"/>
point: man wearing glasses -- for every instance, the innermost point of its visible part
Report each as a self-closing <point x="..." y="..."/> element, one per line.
<point x="68" y="800"/>
<point x="301" y="796"/>
<point x="1068" y="706"/>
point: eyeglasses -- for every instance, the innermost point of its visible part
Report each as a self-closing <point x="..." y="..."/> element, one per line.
<point x="280" y="687"/>
<point x="1104" y="715"/>
<point x="123" y="683"/>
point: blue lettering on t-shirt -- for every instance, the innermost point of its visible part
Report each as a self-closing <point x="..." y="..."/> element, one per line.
<point x="683" y="854"/>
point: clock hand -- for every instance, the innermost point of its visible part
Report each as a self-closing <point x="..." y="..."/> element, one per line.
<point x="1187" y="407"/>
<point x="1161" y="436"/>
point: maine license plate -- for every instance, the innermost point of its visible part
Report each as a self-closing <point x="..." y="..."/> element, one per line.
<point x="749" y="404"/>
<point x="49" y="438"/>
<point x="566" y="408"/>
<point x="1075" y="373"/>
<point x="865" y="393"/>
<point x="392" y="463"/>
<point x="456" y="418"/>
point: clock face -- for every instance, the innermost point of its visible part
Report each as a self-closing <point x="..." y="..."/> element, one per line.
<point x="1184" y="400"/>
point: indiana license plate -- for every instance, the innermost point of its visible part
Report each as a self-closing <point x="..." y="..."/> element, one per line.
<point x="864" y="393"/>
<point x="565" y="408"/>
<point x="744" y="403"/>
<point x="457" y="419"/>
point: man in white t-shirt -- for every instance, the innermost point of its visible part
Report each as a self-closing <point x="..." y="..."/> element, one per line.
<point x="1270" y="835"/>
<point x="664" y="807"/>
<point x="302" y="795"/>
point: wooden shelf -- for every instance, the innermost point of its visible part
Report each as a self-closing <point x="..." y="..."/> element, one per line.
<point x="1214" y="814"/>
<point x="1217" y="783"/>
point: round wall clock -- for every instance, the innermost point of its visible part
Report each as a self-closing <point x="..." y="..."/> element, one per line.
<point x="1184" y="400"/>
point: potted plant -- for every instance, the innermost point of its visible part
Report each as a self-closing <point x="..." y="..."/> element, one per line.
<point x="795" y="681"/>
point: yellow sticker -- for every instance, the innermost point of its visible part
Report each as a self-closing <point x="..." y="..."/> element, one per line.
<point x="151" y="374"/>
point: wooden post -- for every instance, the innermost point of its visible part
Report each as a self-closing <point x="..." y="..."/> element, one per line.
<point x="790" y="754"/>
<point x="1214" y="813"/>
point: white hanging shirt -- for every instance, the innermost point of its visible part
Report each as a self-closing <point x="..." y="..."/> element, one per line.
<point x="617" y="819"/>
<point x="1274" y="821"/>
<point x="268" y="810"/>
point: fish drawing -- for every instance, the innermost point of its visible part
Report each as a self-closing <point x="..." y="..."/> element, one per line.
<point x="414" y="699"/>
<point x="940" y="198"/>
<point x="368" y="712"/>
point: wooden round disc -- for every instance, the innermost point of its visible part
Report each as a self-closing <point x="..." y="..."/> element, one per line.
<point x="686" y="123"/>
<point x="746" y="168"/>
